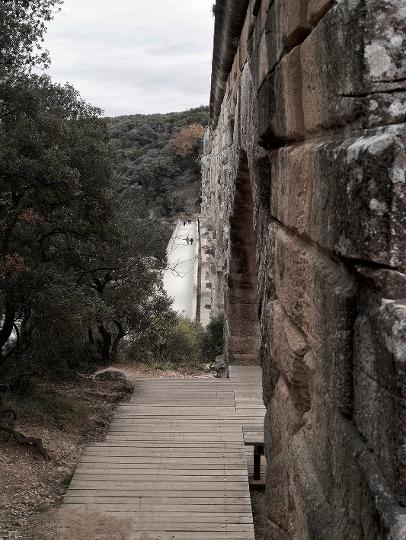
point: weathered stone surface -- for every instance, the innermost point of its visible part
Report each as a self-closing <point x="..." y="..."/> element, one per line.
<point x="311" y="254"/>
<point x="353" y="53"/>
<point x="282" y="421"/>
<point x="287" y="26"/>
<point x="316" y="9"/>
<point x="280" y="120"/>
<point x="288" y="353"/>
<point x="390" y="283"/>
<point x="345" y="194"/>
<point x="314" y="514"/>
<point x="380" y="392"/>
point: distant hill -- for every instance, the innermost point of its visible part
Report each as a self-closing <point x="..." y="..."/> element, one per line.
<point x="158" y="161"/>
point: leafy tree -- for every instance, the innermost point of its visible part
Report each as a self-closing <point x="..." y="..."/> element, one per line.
<point x="79" y="262"/>
<point x="22" y="28"/>
<point x="126" y="275"/>
<point x="184" y="141"/>
<point x="54" y="183"/>
<point x="168" y="339"/>
<point x="81" y="247"/>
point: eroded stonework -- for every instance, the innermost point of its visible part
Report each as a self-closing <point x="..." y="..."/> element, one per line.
<point x="304" y="206"/>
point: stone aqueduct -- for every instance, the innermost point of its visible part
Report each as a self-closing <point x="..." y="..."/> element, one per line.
<point x="304" y="236"/>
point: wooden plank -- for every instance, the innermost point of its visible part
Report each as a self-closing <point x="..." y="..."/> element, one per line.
<point x="105" y="483"/>
<point x="253" y="437"/>
<point x="135" y="492"/>
<point x="174" y="461"/>
<point x="157" y="501"/>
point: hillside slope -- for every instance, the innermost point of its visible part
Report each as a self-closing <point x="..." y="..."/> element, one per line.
<point x="158" y="161"/>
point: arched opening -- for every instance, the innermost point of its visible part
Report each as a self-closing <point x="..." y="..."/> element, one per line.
<point x="242" y="335"/>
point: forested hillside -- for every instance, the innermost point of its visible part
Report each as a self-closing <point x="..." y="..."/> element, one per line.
<point x="158" y="166"/>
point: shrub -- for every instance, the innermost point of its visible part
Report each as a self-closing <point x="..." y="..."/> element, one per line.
<point x="170" y="339"/>
<point x="213" y="339"/>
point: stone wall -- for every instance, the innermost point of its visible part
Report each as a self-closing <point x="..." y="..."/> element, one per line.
<point x="303" y="201"/>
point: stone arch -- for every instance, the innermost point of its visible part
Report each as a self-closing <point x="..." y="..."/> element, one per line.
<point x="242" y="339"/>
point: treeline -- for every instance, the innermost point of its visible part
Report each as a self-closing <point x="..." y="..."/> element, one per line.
<point x="158" y="163"/>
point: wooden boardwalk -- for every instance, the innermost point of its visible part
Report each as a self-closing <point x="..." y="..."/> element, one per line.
<point x="174" y="464"/>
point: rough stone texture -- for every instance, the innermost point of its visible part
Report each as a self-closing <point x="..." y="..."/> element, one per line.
<point x="304" y="204"/>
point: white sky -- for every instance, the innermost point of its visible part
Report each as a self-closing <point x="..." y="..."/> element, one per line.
<point x="134" y="56"/>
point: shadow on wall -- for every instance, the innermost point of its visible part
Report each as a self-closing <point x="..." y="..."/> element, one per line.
<point x="242" y="333"/>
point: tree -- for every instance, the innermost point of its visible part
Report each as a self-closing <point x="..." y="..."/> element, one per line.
<point x="81" y="252"/>
<point x="22" y="27"/>
<point x="185" y="140"/>
<point x="55" y="179"/>
<point x="126" y="276"/>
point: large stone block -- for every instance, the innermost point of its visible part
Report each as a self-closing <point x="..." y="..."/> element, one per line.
<point x="384" y="44"/>
<point x="244" y="345"/>
<point x="288" y="347"/>
<point x="313" y="512"/>
<point x="277" y="490"/>
<point x="280" y="110"/>
<point x="380" y="384"/>
<point x="315" y="291"/>
<point x="316" y="9"/>
<point x="282" y="422"/>
<point x="366" y="506"/>
<point x="287" y="26"/>
<point x="349" y="61"/>
<point x="348" y="195"/>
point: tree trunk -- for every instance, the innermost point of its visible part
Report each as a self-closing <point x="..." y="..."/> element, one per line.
<point x="117" y="339"/>
<point x="106" y="343"/>
<point x="8" y="325"/>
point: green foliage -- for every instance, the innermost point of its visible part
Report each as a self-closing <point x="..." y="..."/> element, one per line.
<point x="55" y="179"/>
<point x="169" y="340"/>
<point x="151" y="171"/>
<point x="183" y="342"/>
<point x="79" y="264"/>
<point x="22" y="27"/>
<point x="173" y="341"/>
<point x="213" y="340"/>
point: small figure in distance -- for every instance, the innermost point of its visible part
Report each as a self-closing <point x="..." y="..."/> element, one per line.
<point x="184" y="223"/>
<point x="191" y="241"/>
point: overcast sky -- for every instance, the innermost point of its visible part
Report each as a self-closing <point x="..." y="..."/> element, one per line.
<point x="134" y="56"/>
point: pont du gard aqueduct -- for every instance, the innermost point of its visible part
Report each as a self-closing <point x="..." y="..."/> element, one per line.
<point x="303" y="206"/>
